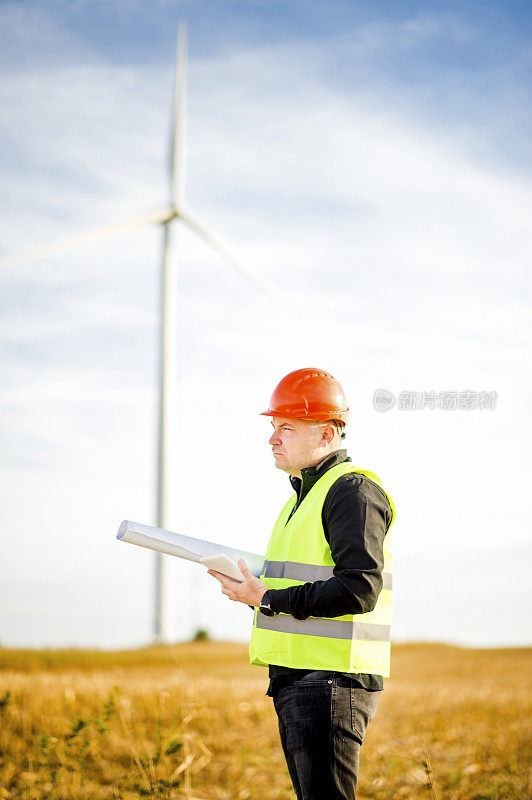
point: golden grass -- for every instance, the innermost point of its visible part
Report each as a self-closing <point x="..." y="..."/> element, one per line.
<point x="193" y="721"/>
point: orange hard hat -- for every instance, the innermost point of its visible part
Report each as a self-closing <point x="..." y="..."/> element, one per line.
<point x="309" y="394"/>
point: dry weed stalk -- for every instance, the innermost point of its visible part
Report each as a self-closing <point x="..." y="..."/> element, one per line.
<point x="430" y="775"/>
<point x="133" y="748"/>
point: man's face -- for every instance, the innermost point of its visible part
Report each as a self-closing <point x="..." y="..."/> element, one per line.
<point x="298" y="443"/>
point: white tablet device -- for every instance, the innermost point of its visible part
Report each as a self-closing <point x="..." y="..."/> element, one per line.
<point x="222" y="563"/>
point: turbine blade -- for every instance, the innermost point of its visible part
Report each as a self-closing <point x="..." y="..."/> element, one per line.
<point x="95" y="234"/>
<point x="179" y="112"/>
<point x="256" y="278"/>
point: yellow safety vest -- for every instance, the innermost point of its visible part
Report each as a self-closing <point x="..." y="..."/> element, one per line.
<point x="299" y="553"/>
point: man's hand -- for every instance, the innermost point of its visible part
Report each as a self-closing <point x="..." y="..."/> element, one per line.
<point x="249" y="591"/>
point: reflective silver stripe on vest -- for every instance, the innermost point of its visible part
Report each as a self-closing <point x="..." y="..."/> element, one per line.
<point x="330" y="628"/>
<point x="295" y="571"/>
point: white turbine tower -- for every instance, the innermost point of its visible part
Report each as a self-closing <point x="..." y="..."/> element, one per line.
<point x="169" y="217"/>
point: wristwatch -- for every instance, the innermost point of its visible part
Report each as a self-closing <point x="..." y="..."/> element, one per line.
<point x="265" y="607"/>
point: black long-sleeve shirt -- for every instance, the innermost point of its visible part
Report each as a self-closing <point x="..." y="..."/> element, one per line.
<point x="356" y="515"/>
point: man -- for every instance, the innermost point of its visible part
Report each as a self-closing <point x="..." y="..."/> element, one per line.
<point x="323" y="603"/>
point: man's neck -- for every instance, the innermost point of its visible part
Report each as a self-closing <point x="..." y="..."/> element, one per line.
<point x="297" y="473"/>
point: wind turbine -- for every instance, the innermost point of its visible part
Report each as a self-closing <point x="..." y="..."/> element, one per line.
<point x="169" y="217"/>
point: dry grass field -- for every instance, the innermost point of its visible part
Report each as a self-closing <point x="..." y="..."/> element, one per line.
<point x="192" y="721"/>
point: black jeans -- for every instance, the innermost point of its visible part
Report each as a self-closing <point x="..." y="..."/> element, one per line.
<point x="323" y="718"/>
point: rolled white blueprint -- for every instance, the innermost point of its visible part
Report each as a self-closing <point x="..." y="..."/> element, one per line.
<point x="212" y="555"/>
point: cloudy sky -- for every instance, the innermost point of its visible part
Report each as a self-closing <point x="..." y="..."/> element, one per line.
<point x="373" y="160"/>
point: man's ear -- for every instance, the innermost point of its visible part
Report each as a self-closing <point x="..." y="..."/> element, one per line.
<point x="328" y="433"/>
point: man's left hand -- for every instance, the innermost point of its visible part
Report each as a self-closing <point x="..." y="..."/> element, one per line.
<point x="249" y="591"/>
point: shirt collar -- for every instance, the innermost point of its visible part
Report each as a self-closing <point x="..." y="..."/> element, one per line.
<point x="309" y="475"/>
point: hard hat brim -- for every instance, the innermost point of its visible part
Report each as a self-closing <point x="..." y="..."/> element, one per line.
<point x="315" y="416"/>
